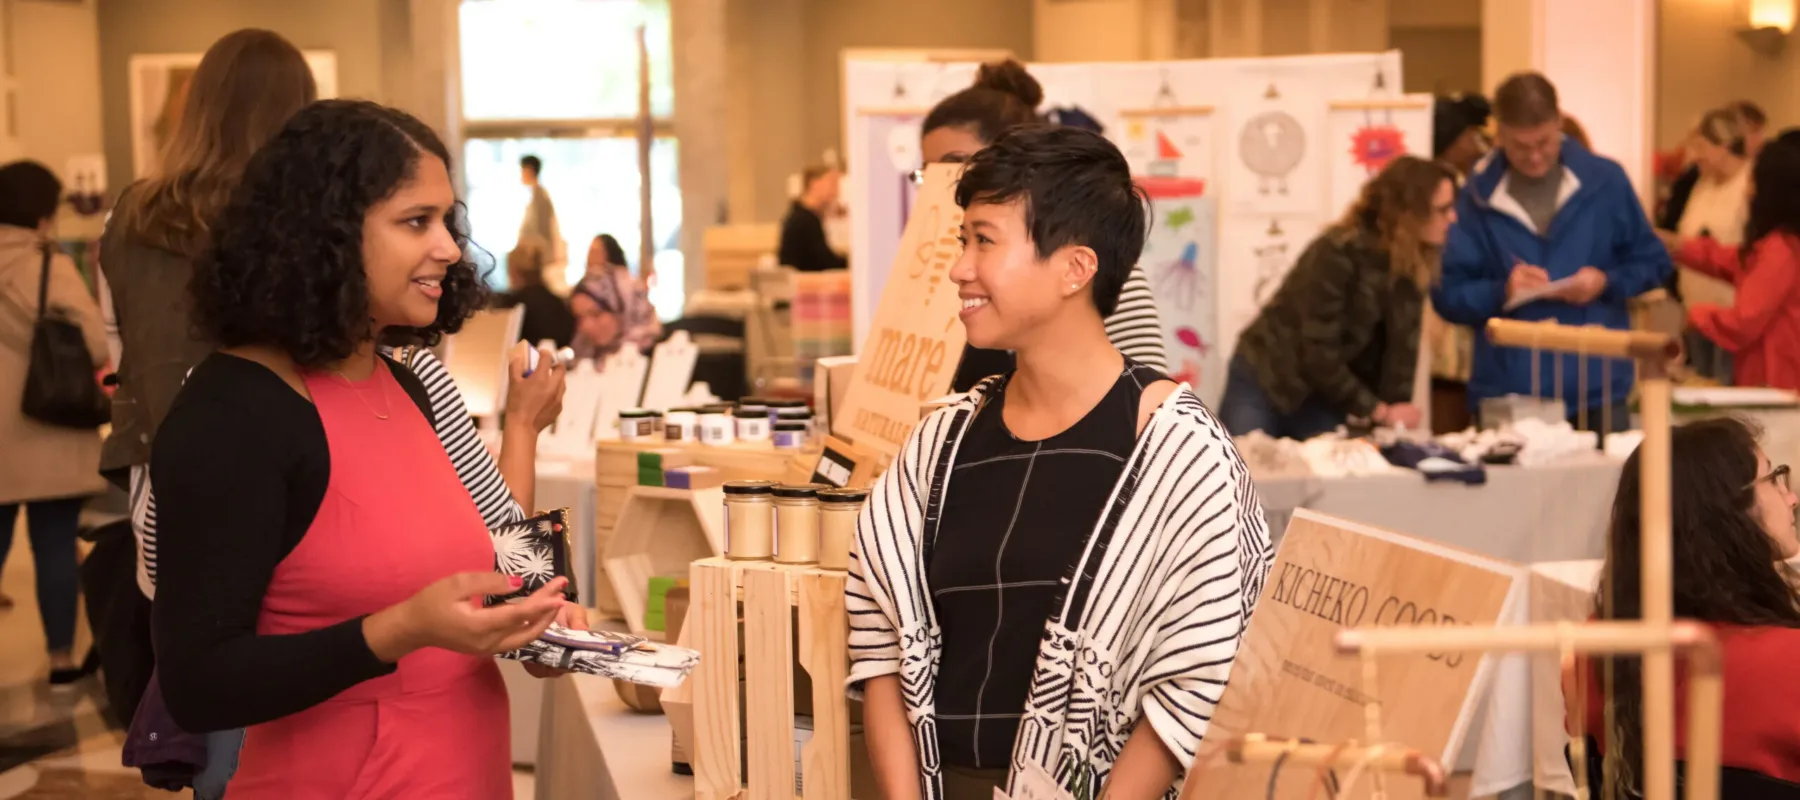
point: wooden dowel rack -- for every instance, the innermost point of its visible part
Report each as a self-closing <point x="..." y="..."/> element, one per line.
<point x="1590" y="637"/>
<point x="1258" y="749"/>
<point x="1593" y="341"/>
<point x="1657" y="634"/>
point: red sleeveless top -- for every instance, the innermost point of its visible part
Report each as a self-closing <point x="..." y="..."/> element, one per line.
<point x="395" y="518"/>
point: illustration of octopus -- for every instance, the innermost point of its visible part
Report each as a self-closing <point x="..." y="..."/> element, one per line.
<point x="1181" y="278"/>
<point x="1271" y="146"/>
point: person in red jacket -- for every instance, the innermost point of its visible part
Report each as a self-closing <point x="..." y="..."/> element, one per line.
<point x="1762" y="326"/>
<point x="1733" y="527"/>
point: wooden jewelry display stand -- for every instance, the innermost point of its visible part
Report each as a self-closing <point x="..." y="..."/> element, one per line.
<point x="1658" y="637"/>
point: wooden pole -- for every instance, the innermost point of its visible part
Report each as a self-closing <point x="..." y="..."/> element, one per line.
<point x="646" y="134"/>
<point x="1590" y="637"/>
<point x="1258" y="749"/>
<point x="1594" y="341"/>
<point x="1657" y="592"/>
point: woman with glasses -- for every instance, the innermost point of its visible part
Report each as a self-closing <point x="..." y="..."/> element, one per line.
<point x="1733" y="529"/>
<point x="1340" y="339"/>
<point x="1005" y="96"/>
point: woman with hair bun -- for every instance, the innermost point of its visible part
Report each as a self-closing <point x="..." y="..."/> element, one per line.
<point x="1005" y="96"/>
<point x="321" y="561"/>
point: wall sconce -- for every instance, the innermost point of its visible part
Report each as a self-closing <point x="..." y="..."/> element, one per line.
<point x="1770" y="22"/>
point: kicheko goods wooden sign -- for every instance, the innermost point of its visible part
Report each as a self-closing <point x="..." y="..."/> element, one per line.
<point x="916" y="340"/>
<point x="1290" y="682"/>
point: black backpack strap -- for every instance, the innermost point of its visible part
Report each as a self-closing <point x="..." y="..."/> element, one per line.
<point x="44" y="282"/>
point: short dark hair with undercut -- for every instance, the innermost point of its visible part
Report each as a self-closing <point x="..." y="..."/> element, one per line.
<point x="533" y="163"/>
<point x="1077" y="190"/>
<point x="1525" y="100"/>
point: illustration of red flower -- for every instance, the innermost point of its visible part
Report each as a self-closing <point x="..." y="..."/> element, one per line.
<point x="1374" y="146"/>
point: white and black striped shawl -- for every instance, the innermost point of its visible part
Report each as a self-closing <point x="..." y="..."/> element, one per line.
<point x="1150" y="617"/>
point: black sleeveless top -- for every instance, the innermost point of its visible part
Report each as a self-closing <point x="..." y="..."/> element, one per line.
<point x="1016" y="516"/>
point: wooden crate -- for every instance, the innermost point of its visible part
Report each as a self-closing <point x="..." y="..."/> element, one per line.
<point x="769" y="593"/>
<point x="659" y="532"/>
<point x="732" y="252"/>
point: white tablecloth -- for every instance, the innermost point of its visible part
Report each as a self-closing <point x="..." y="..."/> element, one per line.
<point x="560" y="484"/>
<point x="1555" y="512"/>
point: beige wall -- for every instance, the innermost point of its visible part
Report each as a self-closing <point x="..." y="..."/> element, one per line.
<point x="784" y="107"/>
<point x="1704" y="64"/>
<point x="353" y="29"/>
<point x="55" y="56"/>
<point x="1090" y="30"/>
<point x="1439" y="43"/>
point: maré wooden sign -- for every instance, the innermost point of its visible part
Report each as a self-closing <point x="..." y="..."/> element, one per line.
<point x="915" y="340"/>
<point x="1289" y="682"/>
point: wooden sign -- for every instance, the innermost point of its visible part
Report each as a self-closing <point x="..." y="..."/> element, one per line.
<point x="1289" y="681"/>
<point x="916" y="340"/>
<point x="843" y="464"/>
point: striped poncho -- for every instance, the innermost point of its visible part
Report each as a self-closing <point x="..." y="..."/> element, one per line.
<point x="1149" y="619"/>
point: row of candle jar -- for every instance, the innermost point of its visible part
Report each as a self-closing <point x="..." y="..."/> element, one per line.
<point x="791" y="523"/>
<point x="788" y="424"/>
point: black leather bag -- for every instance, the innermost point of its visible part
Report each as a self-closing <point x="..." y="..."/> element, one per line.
<point x="60" y="387"/>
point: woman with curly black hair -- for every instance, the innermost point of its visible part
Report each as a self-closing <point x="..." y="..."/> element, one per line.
<point x="318" y="553"/>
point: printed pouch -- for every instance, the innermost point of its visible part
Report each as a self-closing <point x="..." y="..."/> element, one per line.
<point x="537" y="551"/>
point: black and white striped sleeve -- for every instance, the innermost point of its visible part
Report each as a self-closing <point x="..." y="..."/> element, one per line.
<point x="1134" y="326"/>
<point x="885" y="574"/>
<point x="474" y="465"/>
<point x="1222" y="543"/>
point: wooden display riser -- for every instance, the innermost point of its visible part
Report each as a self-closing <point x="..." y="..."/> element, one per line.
<point x="769" y="594"/>
<point x="615" y="474"/>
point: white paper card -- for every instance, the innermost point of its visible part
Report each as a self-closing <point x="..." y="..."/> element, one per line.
<point x="1033" y="783"/>
<point x="1539" y="293"/>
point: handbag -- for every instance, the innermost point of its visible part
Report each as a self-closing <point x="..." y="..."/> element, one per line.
<point x="59" y="382"/>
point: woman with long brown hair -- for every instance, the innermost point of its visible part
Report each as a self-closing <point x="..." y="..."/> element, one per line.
<point x="247" y="86"/>
<point x="1340" y="338"/>
<point x="1732" y="530"/>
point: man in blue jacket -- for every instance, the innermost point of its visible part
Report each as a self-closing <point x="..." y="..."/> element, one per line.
<point x="1538" y="210"/>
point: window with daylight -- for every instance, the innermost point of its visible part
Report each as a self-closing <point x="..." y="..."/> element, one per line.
<point x="558" y="79"/>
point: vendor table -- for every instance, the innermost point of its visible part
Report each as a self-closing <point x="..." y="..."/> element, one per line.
<point x="560" y="484"/>
<point x="595" y="748"/>
<point x="1525" y="515"/>
<point x="1553" y="512"/>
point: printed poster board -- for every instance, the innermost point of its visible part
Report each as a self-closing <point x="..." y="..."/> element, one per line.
<point x="1289" y="681"/>
<point x="915" y="339"/>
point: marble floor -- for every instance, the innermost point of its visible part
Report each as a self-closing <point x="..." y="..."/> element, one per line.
<point x="55" y="743"/>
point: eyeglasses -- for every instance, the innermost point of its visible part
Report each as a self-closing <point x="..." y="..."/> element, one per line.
<point x="1777" y="476"/>
<point x="918" y="175"/>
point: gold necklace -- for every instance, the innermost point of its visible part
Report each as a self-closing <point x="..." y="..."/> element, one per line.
<point x="380" y="387"/>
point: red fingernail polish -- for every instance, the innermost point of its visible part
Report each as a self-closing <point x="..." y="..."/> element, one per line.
<point x="515" y="580"/>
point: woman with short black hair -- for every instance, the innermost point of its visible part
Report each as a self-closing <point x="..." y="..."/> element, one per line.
<point x="47" y="469"/>
<point x="318" y="552"/>
<point x="1080" y="502"/>
<point x="1005" y="96"/>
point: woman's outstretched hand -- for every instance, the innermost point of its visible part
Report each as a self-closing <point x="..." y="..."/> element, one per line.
<point x="449" y="614"/>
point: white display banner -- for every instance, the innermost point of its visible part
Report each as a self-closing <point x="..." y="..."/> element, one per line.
<point x="1225" y="161"/>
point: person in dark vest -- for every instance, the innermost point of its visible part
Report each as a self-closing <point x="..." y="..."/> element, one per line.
<point x="803" y="244"/>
